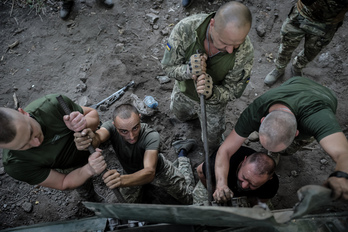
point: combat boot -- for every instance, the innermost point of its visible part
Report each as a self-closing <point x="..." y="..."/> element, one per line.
<point x="296" y="71"/>
<point x="107" y="3"/>
<point x="184" y="144"/>
<point x="273" y="76"/>
<point x="186" y="3"/>
<point x="66" y="9"/>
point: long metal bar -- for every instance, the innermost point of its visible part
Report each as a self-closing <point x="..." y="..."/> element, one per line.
<point x="206" y="149"/>
<point x="90" y="148"/>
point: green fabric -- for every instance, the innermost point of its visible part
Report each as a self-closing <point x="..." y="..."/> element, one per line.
<point x="131" y="156"/>
<point x="313" y="105"/>
<point x="57" y="150"/>
<point x="230" y="72"/>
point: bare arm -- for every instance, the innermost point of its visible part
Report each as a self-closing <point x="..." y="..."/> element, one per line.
<point x="88" y="137"/>
<point x="113" y="179"/>
<point x="92" y="117"/>
<point x="77" y="177"/>
<point x="76" y="121"/>
<point x="336" y="145"/>
<point x="222" y="165"/>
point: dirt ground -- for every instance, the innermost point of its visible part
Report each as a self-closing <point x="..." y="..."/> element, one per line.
<point x="98" y="51"/>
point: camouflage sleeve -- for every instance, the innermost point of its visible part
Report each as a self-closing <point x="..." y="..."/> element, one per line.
<point x="237" y="79"/>
<point x="174" y="63"/>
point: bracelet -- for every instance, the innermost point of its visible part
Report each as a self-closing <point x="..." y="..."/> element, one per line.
<point x="339" y="174"/>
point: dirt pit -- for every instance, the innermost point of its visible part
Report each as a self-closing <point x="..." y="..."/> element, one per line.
<point x="98" y="51"/>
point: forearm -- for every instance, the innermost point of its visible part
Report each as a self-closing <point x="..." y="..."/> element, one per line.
<point x="138" y="178"/>
<point x="342" y="163"/>
<point x="222" y="166"/>
<point x="177" y="72"/>
<point x="77" y="177"/>
<point x="92" y="119"/>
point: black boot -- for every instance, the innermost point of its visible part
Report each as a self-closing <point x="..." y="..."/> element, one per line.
<point x="107" y="3"/>
<point x="66" y="9"/>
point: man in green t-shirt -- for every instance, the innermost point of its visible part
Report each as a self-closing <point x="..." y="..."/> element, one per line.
<point x="290" y="114"/>
<point x="226" y="55"/>
<point x="137" y="148"/>
<point x="38" y="144"/>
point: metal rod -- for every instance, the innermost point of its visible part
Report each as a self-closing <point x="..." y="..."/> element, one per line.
<point x="206" y="149"/>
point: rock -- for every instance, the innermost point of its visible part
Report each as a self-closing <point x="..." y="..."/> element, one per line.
<point x="83" y="101"/>
<point x="27" y="207"/>
<point x="81" y="88"/>
<point x="254" y="137"/>
<point x="153" y="18"/>
<point x="2" y="171"/>
<point x="324" y="161"/>
<point x="163" y="79"/>
<point x="261" y="30"/>
<point x="294" y="173"/>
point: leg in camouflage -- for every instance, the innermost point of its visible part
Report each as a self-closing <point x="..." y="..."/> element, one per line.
<point x="132" y="194"/>
<point x="294" y="29"/>
<point x="292" y="149"/>
<point x="200" y="194"/>
<point x="186" y="109"/>
<point x="177" y="181"/>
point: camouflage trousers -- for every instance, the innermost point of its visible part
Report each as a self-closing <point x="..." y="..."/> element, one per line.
<point x="175" y="178"/>
<point x="295" y="146"/>
<point x="185" y="109"/>
<point x="294" y="29"/>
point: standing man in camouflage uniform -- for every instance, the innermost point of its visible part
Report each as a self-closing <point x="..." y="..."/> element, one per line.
<point x="315" y="20"/>
<point x="218" y="42"/>
<point x="136" y="146"/>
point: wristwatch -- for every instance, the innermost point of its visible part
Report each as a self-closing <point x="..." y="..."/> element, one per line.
<point x="339" y="174"/>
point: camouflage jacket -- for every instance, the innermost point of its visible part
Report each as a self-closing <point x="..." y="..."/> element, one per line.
<point x="323" y="11"/>
<point x="230" y="72"/>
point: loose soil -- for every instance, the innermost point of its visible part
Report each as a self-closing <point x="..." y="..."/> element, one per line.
<point x="98" y="51"/>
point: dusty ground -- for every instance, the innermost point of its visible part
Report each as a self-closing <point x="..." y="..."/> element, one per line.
<point x="98" y="51"/>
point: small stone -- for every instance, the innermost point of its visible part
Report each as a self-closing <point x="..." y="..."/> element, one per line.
<point x="163" y="79"/>
<point x="294" y="173"/>
<point x="324" y="161"/>
<point x="253" y="137"/>
<point x="27" y="207"/>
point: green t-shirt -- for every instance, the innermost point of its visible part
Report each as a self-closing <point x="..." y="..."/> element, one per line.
<point x="131" y="156"/>
<point x="313" y="105"/>
<point x="57" y="151"/>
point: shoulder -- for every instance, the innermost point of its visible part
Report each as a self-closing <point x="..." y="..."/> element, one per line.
<point x="246" y="48"/>
<point x="147" y="131"/>
<point x="189" y="24"/>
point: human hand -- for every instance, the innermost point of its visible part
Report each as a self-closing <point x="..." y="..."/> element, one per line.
<point x="96" y="162"/>
<point x="75" y="121"/>
<point x="222" y="194"/>
<point x="197" y="64"/>
<point x="204" y="84"/>
<point x="84" y="139"/>
<point x="112" y="179"/>
<point x="339" y="187"/>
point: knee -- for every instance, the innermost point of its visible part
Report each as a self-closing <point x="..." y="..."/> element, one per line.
<point x="200" y="172"/>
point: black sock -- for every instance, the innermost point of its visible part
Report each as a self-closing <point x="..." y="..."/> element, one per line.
<point x="182" y="153"/>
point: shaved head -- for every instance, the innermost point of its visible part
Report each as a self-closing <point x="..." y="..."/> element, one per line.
<point x="234" y="13"/>
<point x="8" y="129"/>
